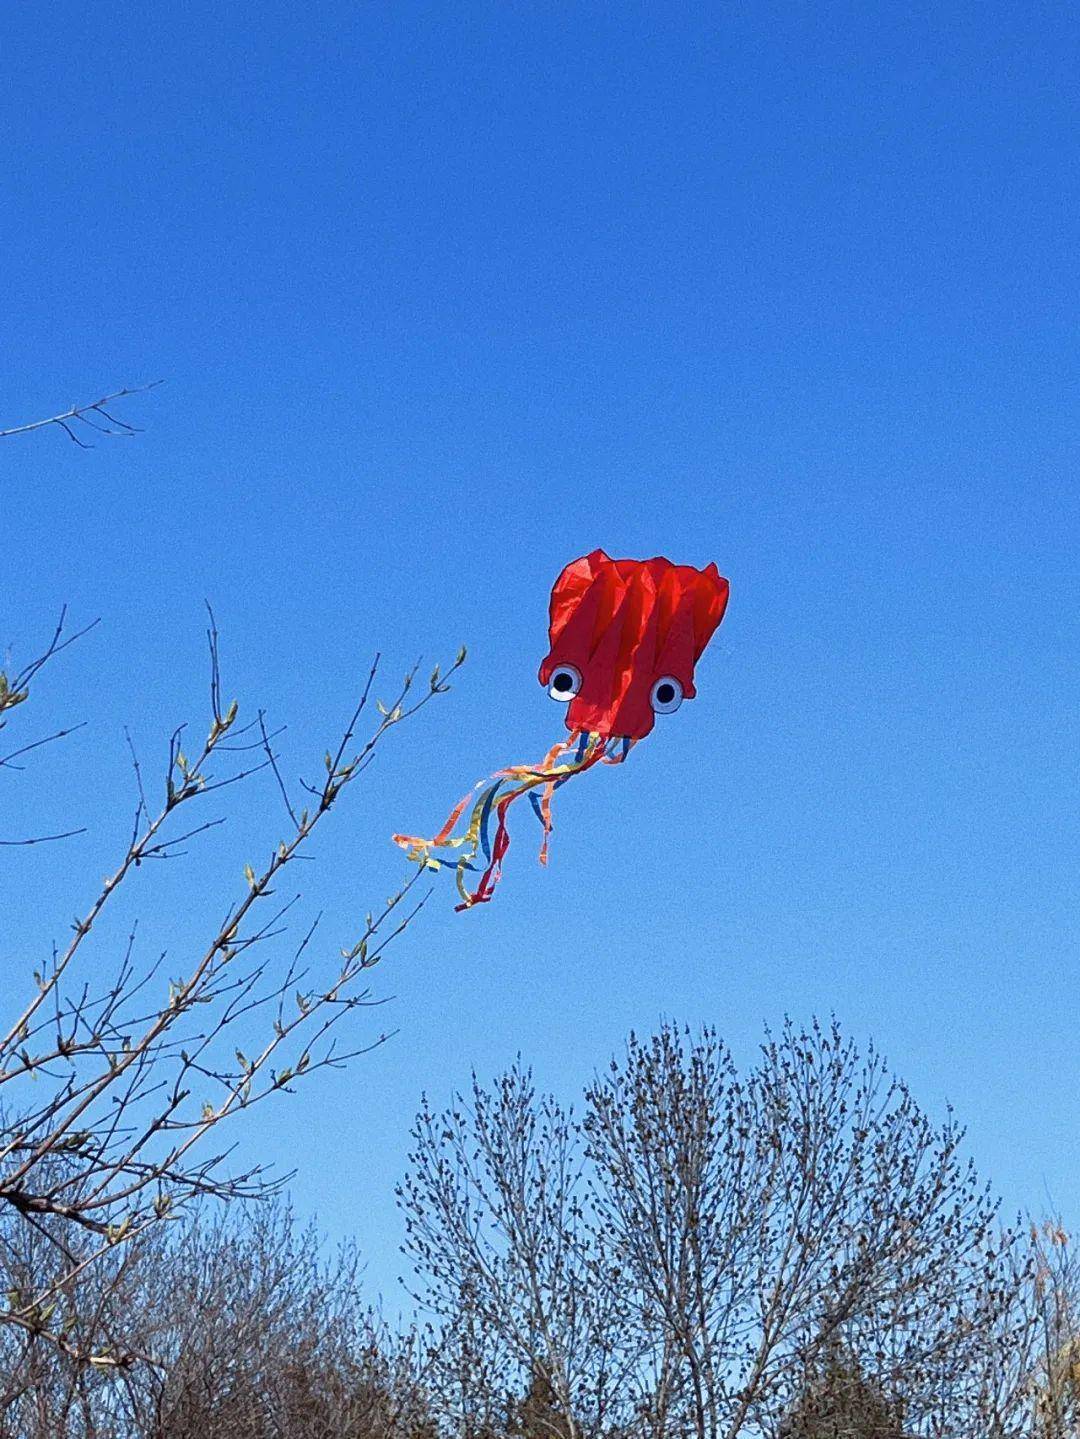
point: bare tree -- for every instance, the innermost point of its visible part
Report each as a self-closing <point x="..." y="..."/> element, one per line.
<point x="815" y="1205"/>
<point x="267" y="1338"/>
<point x="705" y="1248"/>
<point x="496" y="1226"/>
<point x="119" y="1080"/>
<point x="79" y="422"/>
<point x="1054" y="1376"/>
<point x="259" y="1336"/>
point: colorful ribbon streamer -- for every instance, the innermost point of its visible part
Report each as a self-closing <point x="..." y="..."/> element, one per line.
<point x="570" y="757"/>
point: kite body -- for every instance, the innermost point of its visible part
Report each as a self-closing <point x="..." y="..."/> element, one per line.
<point x="624" y="637"/>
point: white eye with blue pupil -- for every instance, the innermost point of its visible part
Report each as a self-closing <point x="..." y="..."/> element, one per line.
<point x="564" y="683"/>
<point x="666" y="695"/>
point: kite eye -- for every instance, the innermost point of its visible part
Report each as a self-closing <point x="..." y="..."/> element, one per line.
<point x="666" y="695"/>
<point x="564" y="683"/>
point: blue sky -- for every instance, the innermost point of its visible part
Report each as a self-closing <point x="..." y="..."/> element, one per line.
<point x="446" y="295"/>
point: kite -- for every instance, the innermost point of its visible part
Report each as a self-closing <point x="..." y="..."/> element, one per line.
<point x="624" y="638"/>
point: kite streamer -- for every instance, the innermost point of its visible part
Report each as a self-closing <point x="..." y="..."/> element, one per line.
<point x="624" y="638"/>
<point x="494" y="797"/>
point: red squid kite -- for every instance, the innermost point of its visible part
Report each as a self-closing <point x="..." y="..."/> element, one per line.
<point x="624" y="638"/>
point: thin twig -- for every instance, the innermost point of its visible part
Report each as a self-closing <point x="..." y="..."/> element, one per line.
<point x="41" y="838"/>
<point x="272" y="758"/>
<point x="82" y="414"/>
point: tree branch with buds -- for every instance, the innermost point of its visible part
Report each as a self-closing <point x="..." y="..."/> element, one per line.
<point x="117" y="1093"/>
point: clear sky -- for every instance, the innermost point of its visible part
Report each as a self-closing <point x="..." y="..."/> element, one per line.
<point x="449" y="294"/>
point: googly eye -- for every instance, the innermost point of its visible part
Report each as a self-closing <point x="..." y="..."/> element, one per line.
<point x="564" y="683"/>
<point x="666" y="695"/>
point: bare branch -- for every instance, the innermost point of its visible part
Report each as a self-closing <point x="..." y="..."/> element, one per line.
<point x="41" y="838"/>
<point x="89" y="415"/>
<point x="114" y="1137"/>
